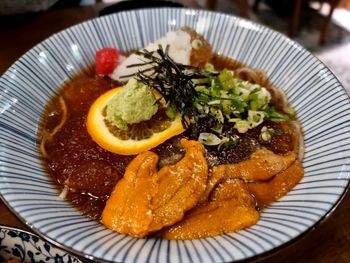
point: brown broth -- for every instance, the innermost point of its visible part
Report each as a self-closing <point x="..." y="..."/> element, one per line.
<point x="91" y="172"/>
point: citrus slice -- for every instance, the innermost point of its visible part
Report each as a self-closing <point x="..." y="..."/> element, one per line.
<point x="140" y="137"/>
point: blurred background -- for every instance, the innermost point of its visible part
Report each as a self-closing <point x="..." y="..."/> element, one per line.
<point x="322" y="27"/>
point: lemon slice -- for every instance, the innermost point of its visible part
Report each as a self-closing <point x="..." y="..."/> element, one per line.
<point x="125" y="144"/>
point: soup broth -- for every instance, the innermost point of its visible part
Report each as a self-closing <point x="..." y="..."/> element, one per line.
<point x="90" y="173"/>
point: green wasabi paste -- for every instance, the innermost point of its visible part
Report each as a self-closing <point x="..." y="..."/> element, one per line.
<point x="133" y="104"/>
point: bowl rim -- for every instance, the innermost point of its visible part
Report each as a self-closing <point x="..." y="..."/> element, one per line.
<point x="258" y="257"/>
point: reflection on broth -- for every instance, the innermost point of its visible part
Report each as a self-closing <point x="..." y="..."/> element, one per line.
<point x="236" y="156"/>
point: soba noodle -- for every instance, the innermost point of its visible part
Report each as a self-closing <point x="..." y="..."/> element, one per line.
<point x="47" y="136"/>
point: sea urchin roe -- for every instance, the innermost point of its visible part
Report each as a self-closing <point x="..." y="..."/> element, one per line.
<point x="145" y="199"/>
<point x="266" y="192"/>
<point x="134" y="104"/>
<point x="231" y="207"/>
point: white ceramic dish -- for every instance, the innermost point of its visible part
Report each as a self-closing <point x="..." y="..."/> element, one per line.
<point x="320" y="100"/>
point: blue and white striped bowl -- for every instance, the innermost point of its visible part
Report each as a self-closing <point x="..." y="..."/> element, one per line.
<point x="320" y="100"/>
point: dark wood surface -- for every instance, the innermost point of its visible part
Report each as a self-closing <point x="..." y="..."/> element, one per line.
<point x="329" y="242"/>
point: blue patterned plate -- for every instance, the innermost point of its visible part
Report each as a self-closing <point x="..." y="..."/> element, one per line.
<point x="26" y="247"/>
<point x="320" y="100"/>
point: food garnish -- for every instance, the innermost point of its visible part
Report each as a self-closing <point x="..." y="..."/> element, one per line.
<point x="198" y="93"/>
<point x="133" y="104"/>
<point x="106" y="60"/>
<point x="174" y="81"/>
<point x="137" y="138"/>
<point x="180" y="50"/>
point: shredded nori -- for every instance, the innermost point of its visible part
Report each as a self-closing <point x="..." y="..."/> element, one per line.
<point x="174" y="81"/>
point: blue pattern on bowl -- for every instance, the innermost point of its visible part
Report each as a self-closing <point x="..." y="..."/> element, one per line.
<point x="26" y="247"/>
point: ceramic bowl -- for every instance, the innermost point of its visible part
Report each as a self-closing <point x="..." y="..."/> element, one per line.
<point x="321" y="103"/>
<point x="27" y="247"/>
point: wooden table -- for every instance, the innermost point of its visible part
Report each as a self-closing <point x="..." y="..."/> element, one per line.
<point x="329" y="242"/>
